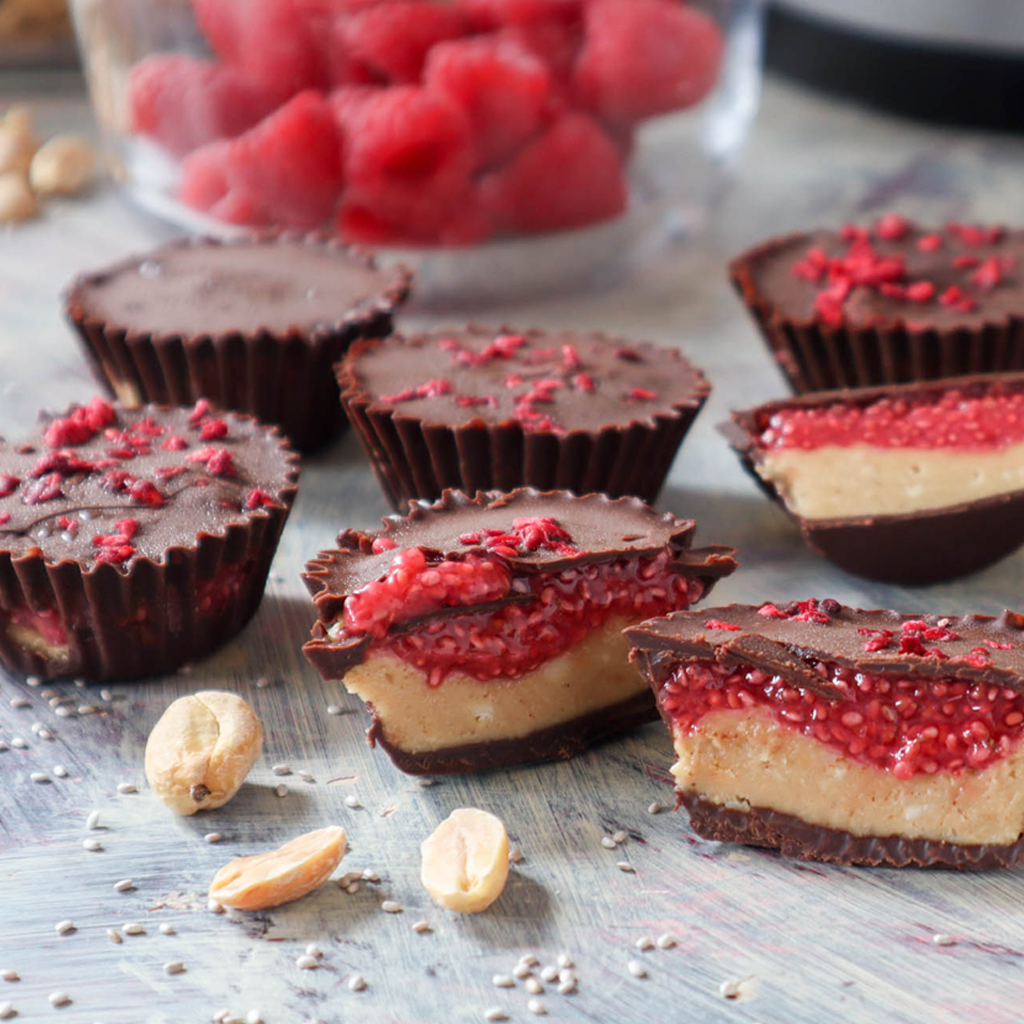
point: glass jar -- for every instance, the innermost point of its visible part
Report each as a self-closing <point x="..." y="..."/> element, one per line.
<point x="500" y="147"/>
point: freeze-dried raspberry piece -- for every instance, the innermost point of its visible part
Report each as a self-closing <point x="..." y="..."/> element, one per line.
<point x="408" y="163"/>
<point x="645" y="57"/>
<point x="392" y="40"/>
<point x="570" y="176"/>
<point x="493" y="13"/>
<point x="289" y="165"/>
<point x="503" y="88"/>
<point x="183" y="102"/>
<point x="271" y="39"/>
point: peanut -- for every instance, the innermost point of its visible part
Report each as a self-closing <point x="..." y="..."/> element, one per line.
<point x="464" y="863"/>
<point x="62" y="166"/>
<point x="271" y="879"/>
<point x="16" y="199"/>
<point x="201" y="750"/>
<point x="17" y="141"/>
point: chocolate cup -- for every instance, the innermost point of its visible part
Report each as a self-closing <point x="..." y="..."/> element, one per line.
<point x="284" y="379"/>
<point x="816" y="357"/>
<point x="99" y="608"/>
<point x="417" y="459"/>
<point x="794" y="837"/>
<point x="915" y="548"/>
<point x="558" y="743"/>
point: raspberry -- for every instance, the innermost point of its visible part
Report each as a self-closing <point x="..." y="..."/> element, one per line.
<point x="503" y="88"/>
<point x="204" y="186"/>
<point x="347" y="101"/>
<point x="290" y="163"/>
<point x="408" y="164"/>
<point x="569" y="176"/>
<point x="556" y="42"/>
<point x="487" y="14"/>
<point x="268" y="38"/>
<point x="8" y="484"/>
<point x="184" y="102"/>
<point x="645" y="57"/>
<point x="392" y="40"/>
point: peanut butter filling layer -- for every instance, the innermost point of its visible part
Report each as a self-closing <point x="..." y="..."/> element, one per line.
<point x="839" y="482"/>
<point x="743" y="759"/>
<point x="593" y="675"/>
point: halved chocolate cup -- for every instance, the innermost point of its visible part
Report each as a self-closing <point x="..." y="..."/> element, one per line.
<point x="926" y="545"/>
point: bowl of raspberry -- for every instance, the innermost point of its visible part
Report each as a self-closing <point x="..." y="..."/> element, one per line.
<point x="503" y="147"/>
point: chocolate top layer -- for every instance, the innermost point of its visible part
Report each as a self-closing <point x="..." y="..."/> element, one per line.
<point x="67" y="501"/>
<point x="283" y="285"/>
<point x="745" y="431"/>
<point x="768" y="272"/>
<point x="554" y="381"/>
<point x="791" y="639"/>
<point x="601" y="529"/>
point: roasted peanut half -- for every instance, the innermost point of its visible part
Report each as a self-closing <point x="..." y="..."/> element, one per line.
<point x="62" y="166"/>
<point x="464" y="863"/>
<point x="271" y="879"/>
<point x="201" y="750"/>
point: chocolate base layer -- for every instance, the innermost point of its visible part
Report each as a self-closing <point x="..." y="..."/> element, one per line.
<point x="558" y="743"/>
<point x="929" y="546"/>
<point x="816" y="357"/>
<point x="793" y="837"/>
<point x="282" y="377"/>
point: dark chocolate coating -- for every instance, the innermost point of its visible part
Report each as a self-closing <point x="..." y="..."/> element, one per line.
<point x="140" y="617"/>
<point x="600" y="440"/>
<point x="882" y="340"/>
<point x="253" y="325"/>
<point x="603" y="529"/>
<point x="916" y="548"/>
<point x="557" y="743"/>
<point x="793" y="837"/>
<point x="792" y="648"/>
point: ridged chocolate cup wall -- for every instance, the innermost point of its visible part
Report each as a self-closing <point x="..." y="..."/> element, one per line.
<point x="99" y="606"/>
<point x="815" y="357"/>
<point x="282" y="377"/>
<point x="415" y="457"/>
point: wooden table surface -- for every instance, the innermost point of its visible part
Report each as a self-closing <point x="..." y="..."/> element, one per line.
<point x="808" y="943"/>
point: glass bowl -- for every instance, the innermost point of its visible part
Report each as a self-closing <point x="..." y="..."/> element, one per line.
<point x="502" y="148"/>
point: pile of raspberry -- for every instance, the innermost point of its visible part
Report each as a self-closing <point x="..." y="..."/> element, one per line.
<point x="417" y="122"/>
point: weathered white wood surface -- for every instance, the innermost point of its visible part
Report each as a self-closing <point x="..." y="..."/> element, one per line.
<point x="814" y="944"/>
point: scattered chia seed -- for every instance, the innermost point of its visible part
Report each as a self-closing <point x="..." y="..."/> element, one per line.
<point x="58" y="999"/>
<point x="370" y="876"/>
<point x="566" y="988"/>
<point x="637" y="969"/>
<point x="253" y="1017"/>
<point x="18" y="743"/>
<point x="515" y="855"/>
<point x="314" y="950"/>
<point x="20" y="702"/>
<point x="729" y="989"/>
<point x="529" y="959"/>
<point x="566" y="977"/>
<point x="92" y="845"/>
<point x="424" y="783"/>
<point x="942" y="939"/>
<point x="60" y="771"/>
<point x="549" y="973"/>
<point x="335" y="709"/>
<point x="167" y="929"/>
<point x="64" y="711"/>
<point x="620" y="836"/>
<point x="45" y="734"/>
<point x="306" y="777"/>
<point x="262" y="683"/>
<point x="521" y="970"/>
<point x="3" y="745"/>
<point x="32" y="681"/>
<point x="607" y="842"/>
<point x="645" y="942"/>
<point x="87" y="709"/>
<point x="7" y="1010"/>
<point x="214" y="907"/>
<point x="9" y="974"/>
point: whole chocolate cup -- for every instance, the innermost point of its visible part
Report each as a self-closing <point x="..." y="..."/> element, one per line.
<point x="414" y="458"/>
<point x="280" y="378"/>
<point x="95" y="605"/>
<point x="816" y="357"/>
<point x="917" y="548"/>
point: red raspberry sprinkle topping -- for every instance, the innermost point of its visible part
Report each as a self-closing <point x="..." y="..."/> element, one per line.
<point x="81" y="425"/>
<point x="46" y="488"/>
<point x="810" y="610"/>
<point x="213" y="429"/>
<point x="929" y="243"/>
<point x="8" y="484"/>
<point x="257" y="498"/>
<point x="642" y="394"/>
<point x="542" y="532"/>
<point x="892" y="227"/>
<point x="989" y="275"/>
<point x="174" y="443"/>
<point x="969" y="234"/>
<point x="169" y="472"/>
<point x="382" y="544"/>
<point x="719" y="624"/>
<point x="202" y="409"/>
<point x="5" y="517"/>
<point x="432" y="389"/>
<point x="117" y="480"/>
<point x="219" y="461"/>
<point x="583" y="382"/>
<point x="955" y="297"/>
<point x="903" y="725"/>
<point x="145" y="493"/>
<point x="965" y="262"/>
<point x="993" y="420"/>
<point x="571" y="358"/>
<point x="921" y="291"/>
